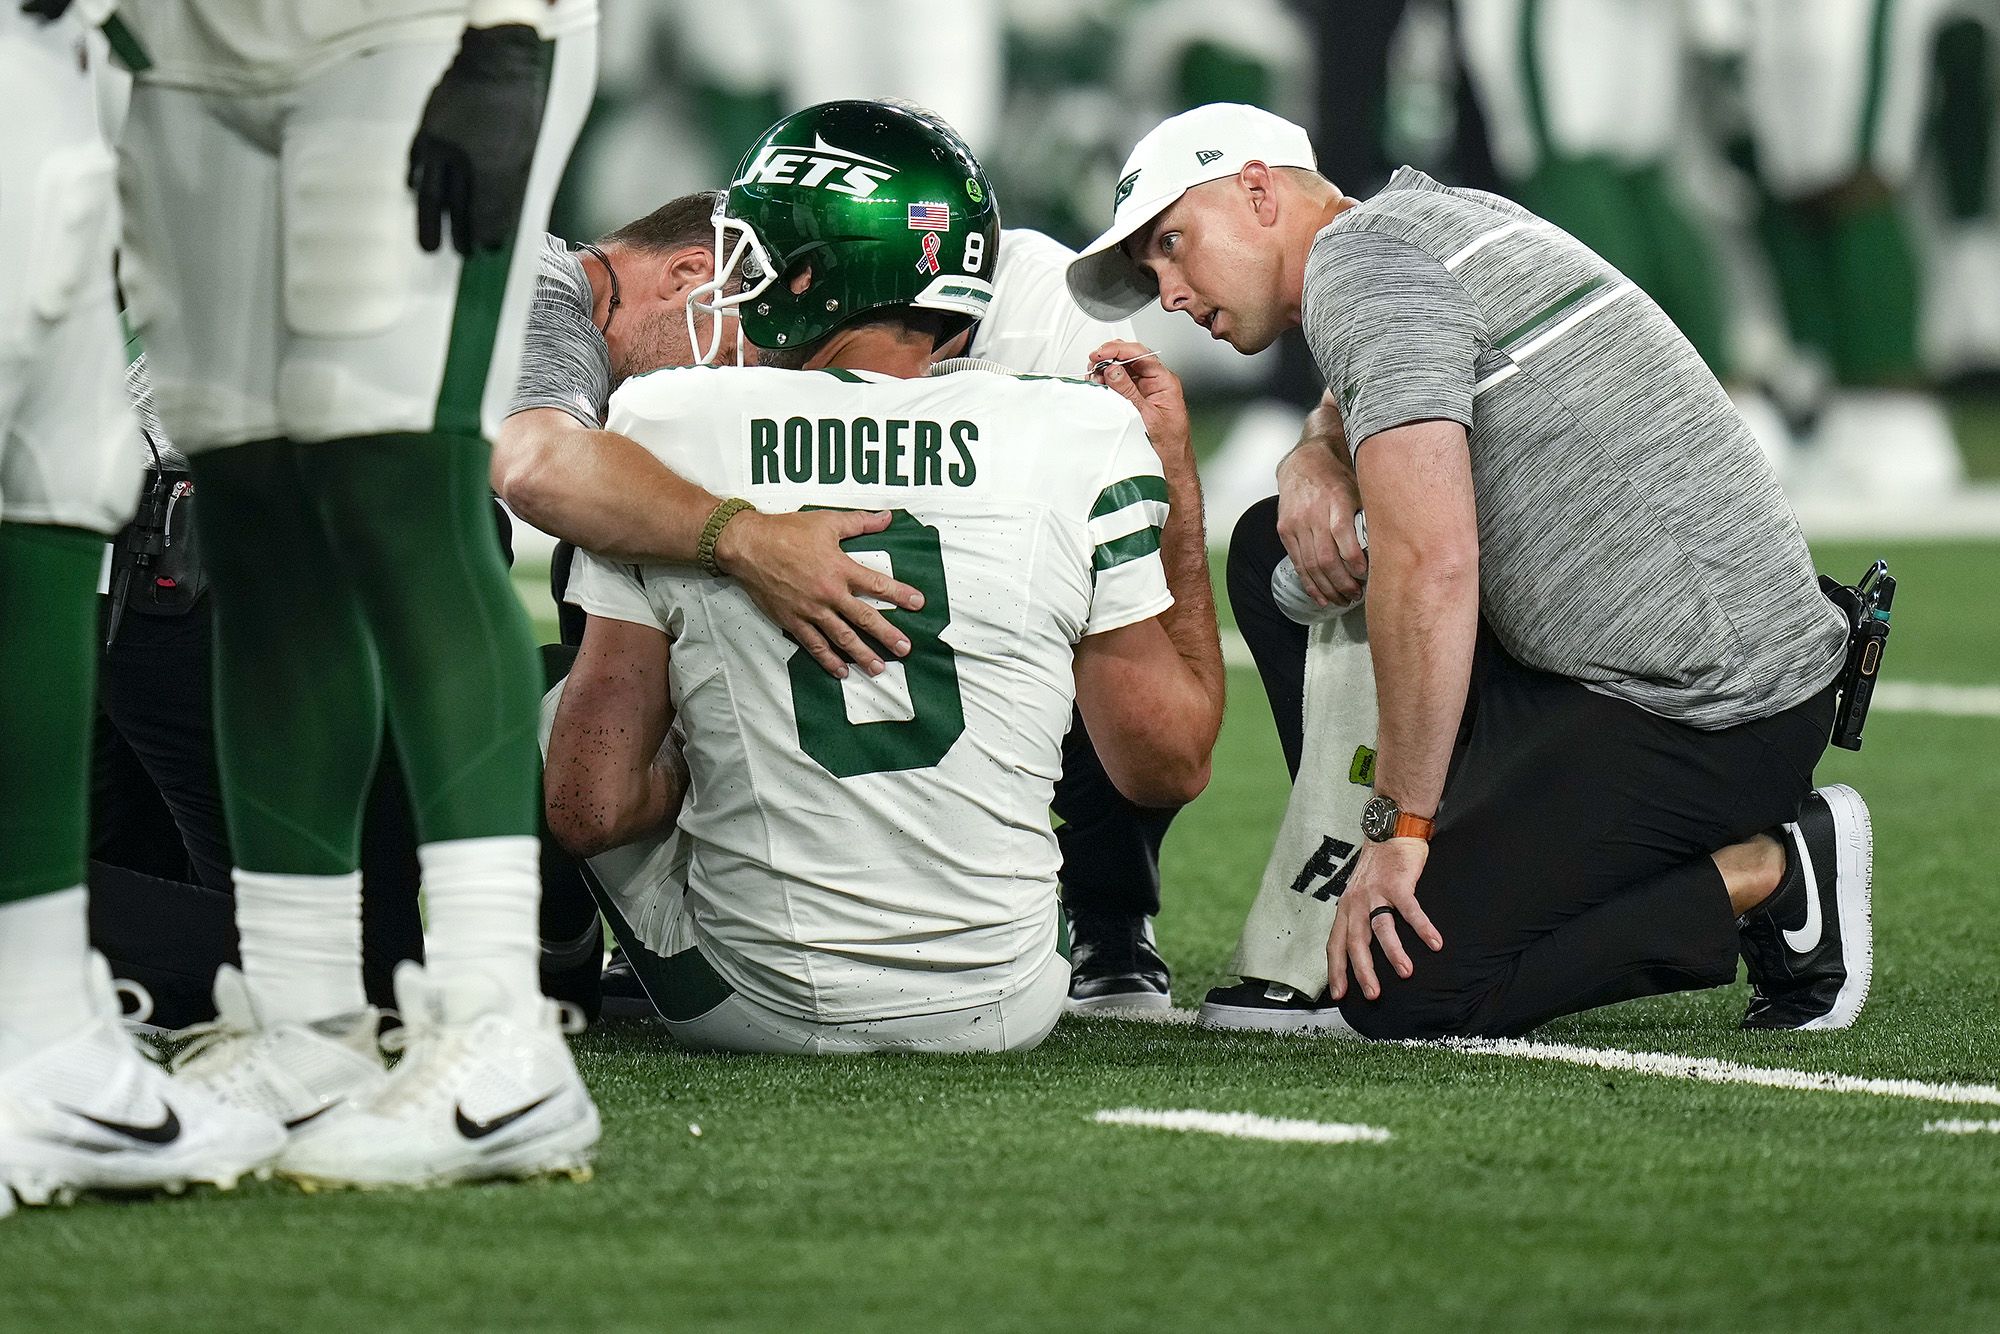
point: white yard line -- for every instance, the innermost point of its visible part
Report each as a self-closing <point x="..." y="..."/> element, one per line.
<point x="1699" y="1069"/>
<point x="1962" y="1127"/>
<point x="1951" y="701"/>
<point x="1890" y="696"/>
<point x="1244" y="1125"/>
<point x="1707" y="1070"/>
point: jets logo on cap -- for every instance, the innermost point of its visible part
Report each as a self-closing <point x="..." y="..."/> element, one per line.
<point x="1124" y="191"/>
<point x="1207" y="155"/>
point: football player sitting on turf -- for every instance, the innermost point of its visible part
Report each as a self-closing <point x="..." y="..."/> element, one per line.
<point x="810" y="863"/>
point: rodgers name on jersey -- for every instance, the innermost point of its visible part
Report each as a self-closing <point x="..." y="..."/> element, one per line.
<point x="880" y="846"/>
<point x="868" y="451"/>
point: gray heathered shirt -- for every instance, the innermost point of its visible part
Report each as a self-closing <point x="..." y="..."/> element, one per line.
<point x="1631" y="535"/>
<point x="564" y="362"/>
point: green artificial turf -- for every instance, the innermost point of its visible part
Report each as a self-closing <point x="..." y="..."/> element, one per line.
<point x="971" y="1194"/>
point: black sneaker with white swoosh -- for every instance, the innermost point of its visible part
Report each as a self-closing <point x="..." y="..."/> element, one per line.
<point x="1256" y="1006"/>
<point x="1810" y="947"/>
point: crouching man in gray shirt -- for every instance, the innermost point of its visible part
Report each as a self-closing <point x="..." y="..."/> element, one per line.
<point x="1603" y="665"/>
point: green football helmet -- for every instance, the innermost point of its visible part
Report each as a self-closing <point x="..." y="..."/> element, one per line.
<point x="882" y="199"/>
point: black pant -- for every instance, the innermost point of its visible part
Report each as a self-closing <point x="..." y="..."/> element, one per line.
<point x="156" y="799"/>
<point x="1110" y="844"/>
<point x="1277" y="642"/>
<point x="1570" y="868"/>
<point x="161" y="907"/>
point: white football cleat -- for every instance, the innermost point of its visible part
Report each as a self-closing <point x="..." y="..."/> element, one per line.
<point x="292" y="1073"/>
<point x="479" y="1094"/>
<point x="90" y="1112"/>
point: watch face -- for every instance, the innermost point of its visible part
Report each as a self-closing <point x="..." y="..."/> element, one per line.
<point x="1378" y="818"/>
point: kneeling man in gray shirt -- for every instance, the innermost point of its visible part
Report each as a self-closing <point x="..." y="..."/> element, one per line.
<point x="1603" y="664"/>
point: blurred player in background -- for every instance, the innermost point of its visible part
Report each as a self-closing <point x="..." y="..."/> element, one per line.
<point x="865" y="864"/>
<point x="79" y="1106"/>
<point x="1584" y="104"/>
<point x="292" y="172"/>
<point x="1838" y="94"/>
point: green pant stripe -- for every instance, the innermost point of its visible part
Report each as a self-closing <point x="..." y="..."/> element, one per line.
<point x="1878" y="67"/>
<point x="125" y="45"/>
<point x="1548" y="314"/>
<point x="1531" y="78"/>
<point x="1130" y="547"/>
<point x="475" y="322"/>
<point x="475" y="327"/>
<point x="1128" y="492"/>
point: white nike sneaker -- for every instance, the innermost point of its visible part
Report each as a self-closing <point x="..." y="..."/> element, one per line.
<point x="477" y="1095"/>
<point x="293" y="1073"/>
<point x="90" y="1112"/>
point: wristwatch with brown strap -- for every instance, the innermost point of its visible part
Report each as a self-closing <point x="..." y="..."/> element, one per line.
<point x="1382" y="819"/>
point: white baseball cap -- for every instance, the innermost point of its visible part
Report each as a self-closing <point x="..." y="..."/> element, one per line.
<point x="1205" y="144"/>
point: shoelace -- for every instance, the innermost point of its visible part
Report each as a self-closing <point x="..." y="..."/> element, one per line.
<point x="429" y="1049"/>
<point x="214" y="1035"/>
<point x="426" y="1049"/>
<point x="142" y="1003"/>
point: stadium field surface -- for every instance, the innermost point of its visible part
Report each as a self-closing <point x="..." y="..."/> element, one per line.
<point x="1143" y="1176"/>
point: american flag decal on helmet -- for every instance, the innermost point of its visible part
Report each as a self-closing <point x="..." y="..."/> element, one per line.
<point x="930" y="218"/>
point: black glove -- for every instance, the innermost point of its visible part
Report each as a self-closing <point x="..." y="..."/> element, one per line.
<point x="44" y="9"/>
<point x="476" y="142"/>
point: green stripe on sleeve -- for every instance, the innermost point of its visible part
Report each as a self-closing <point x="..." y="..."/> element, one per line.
<point x="1128" y="492"/>
<point x="1129" y="547"/>
<point x="1548" y="314"/>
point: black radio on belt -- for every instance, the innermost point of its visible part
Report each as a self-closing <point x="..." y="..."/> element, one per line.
<point x="156" y="565"/>
<point x="1866" y="606"/>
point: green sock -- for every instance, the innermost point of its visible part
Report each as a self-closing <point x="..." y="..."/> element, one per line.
<point x="413" y="519"/>
<point x="48" y="672"/>
<point x="298" y="697"/>
<point x="1687" y="280"/>
<point x="1878" y="290"/>
<point x="1799" y="242"/>
<point x="351" y="577"/>
<point x="1588" y="198"/>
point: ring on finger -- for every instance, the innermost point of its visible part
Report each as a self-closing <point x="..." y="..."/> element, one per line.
<point x="1377" y="912"/>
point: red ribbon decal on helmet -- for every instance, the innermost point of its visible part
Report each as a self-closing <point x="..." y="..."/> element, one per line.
<point x="929" y="263"/>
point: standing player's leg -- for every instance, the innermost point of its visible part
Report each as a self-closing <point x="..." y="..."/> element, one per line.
<point x="79" y="1106"/>
<point x="298" y="701"/>
<point x="1838" y="95"/>
<point x="398" y="361"/>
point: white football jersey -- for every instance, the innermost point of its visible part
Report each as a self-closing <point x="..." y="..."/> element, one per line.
<point x="1034" y="325"/>
<point x="259" y="46"/>
<point x="870" y="848"/>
